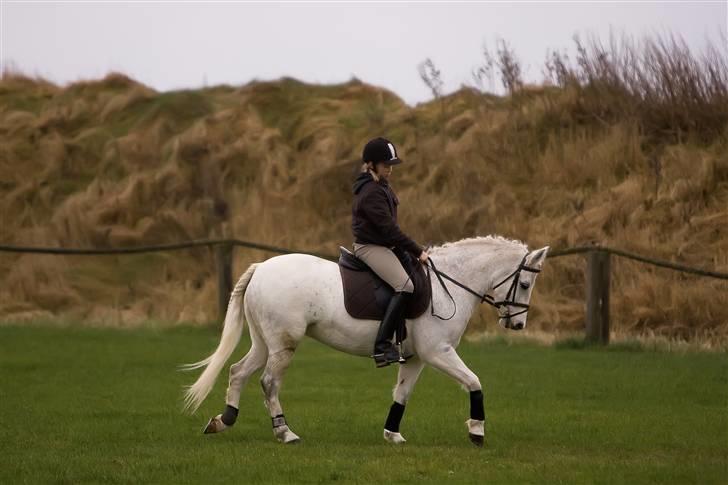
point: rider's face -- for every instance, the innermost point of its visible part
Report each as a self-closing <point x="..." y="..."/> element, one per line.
<point x="383" y="170"/>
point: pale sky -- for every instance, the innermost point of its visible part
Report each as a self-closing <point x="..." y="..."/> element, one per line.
<point x="173" y="45"/>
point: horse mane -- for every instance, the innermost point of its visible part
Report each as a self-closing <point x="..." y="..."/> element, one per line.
<point x="490" y="240"/>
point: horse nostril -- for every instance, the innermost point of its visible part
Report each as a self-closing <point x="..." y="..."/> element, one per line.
<point x="518" y="326"/>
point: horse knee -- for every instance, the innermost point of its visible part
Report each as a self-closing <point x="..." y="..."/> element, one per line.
<point x="402" y="391"/>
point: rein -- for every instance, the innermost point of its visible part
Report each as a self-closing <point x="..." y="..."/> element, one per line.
<point x="485" y="297"/>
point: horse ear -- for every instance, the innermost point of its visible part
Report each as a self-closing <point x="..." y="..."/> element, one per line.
<point x="536" y="259"/>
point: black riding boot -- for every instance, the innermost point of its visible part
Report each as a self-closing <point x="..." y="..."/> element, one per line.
<point x="384" y="351"/>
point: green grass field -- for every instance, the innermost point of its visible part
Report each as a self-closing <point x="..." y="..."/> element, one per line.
<point x="90" y="405"/>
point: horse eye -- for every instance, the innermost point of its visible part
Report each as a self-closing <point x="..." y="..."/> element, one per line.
<point x="525" y="285"/>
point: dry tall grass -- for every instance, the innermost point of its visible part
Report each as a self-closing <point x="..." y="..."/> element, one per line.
<point x="600" y="157"/>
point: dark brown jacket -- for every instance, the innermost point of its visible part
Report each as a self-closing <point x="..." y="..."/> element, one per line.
<point x="374" y="215"/>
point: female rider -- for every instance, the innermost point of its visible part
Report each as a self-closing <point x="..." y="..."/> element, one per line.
<point x="376" y="233"/>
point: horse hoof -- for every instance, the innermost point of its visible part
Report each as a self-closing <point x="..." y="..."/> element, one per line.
<point x="210" y="428"/>
<point x="393" y="437"/>
<point x="215" y="425"/>
<point x="284" y="435"/>
<point x="476" y="431"/>
<point x="477" y="440"/>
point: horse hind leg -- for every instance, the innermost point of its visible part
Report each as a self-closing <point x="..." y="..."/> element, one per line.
<point x="271" y="381"/>
<point x="240" y="372"/>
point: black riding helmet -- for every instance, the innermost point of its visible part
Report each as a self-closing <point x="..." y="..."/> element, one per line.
<point x="380" y="150"/>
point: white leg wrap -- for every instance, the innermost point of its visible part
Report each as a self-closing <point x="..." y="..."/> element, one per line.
<point x="284" y="435"/>
<point x="393" y="437"/>
<point x="475" y="427"/>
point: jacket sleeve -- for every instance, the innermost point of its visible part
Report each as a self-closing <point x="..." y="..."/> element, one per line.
<point x="376" y="208"/>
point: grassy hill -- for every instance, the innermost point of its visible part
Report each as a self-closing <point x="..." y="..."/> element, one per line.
<point x="111" y="162"/>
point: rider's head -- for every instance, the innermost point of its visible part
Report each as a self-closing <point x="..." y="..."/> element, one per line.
<point x="379" y="155"/>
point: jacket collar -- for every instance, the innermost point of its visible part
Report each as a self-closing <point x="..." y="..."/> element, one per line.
<point x="364" y="178"/>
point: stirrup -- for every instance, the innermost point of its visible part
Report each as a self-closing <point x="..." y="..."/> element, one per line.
<point x="383" y="359"/>
<point x="400" y="350"/>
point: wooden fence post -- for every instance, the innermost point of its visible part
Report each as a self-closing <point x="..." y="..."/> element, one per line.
<point x="597" y="296"/>
<point x="224" y="260"/>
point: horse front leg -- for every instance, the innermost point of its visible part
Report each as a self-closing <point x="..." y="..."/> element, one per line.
<point x="406" y="380"/>
<point x="449" y="362"/>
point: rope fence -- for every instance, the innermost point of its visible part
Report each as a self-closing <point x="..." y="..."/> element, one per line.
<point x="638" y="257"/>
<point x="275" y="249"/>
<point x="158" y="248"/>
<point x="597" y="271"/>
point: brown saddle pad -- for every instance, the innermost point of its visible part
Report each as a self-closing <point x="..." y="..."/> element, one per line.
<point x="366" y="295"/>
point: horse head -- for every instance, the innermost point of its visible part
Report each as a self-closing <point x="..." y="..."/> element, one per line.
<point x="512" y="294"/>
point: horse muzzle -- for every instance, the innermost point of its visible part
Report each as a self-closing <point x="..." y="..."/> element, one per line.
<point x="507" y="323"/>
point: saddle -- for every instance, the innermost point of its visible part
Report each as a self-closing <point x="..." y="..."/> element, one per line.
<point x="366" y="295"/>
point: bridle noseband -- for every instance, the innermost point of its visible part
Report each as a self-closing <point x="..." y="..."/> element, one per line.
<point x="507" y="302"/>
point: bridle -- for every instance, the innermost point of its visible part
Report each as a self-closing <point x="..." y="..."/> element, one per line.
<point x="507" y="302"/>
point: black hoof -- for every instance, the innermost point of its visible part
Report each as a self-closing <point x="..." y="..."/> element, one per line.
<point x="477" y="440"/>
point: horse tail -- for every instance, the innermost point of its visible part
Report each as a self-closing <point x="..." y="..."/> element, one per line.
<point x="231" y="333"/>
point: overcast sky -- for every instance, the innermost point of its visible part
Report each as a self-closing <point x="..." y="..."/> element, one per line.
<point x="171" y="45"/>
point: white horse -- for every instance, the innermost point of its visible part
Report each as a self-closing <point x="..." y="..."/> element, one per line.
<point x="289" y="296"/>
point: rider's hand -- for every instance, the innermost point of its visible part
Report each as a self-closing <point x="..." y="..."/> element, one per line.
<point x="423" y="257"/>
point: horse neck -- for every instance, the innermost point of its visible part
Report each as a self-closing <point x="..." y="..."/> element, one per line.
<point x="477" y="266"/>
